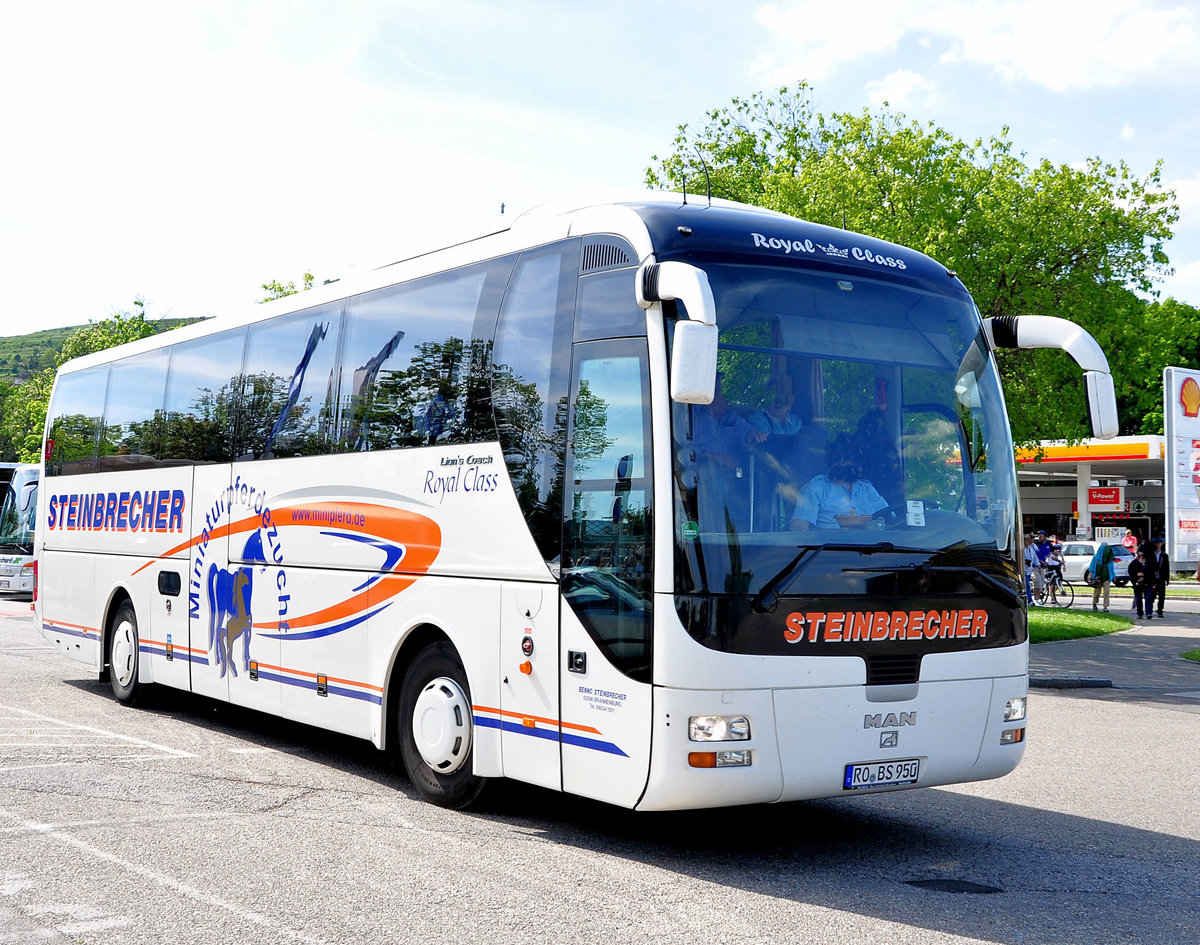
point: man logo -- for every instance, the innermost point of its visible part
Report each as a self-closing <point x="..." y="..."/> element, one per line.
<point x="889" y="740"/>
<point x="890" y="720"/>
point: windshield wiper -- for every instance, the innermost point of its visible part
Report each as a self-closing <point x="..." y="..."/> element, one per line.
<point x="974" y="575"/>
<point x="766" y="598"/>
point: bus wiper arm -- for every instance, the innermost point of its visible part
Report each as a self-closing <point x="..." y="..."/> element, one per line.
<point x="765" y="599"/>
<point x="972" y="574"/>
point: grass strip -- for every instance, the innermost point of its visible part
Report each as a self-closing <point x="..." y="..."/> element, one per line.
<point x="1047" y="624"/>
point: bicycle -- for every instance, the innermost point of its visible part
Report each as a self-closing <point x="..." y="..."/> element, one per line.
<point x="1063" y="590"/>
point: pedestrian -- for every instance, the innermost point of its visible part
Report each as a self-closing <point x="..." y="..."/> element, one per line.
<point x="1143" y="587"/>
<point x="1160" y="571"/>
<point x="1130" y="541"/>
<point x="1041" y="550"/>
<point x="1030" y="561"/>
<point x="1103" y="571"/>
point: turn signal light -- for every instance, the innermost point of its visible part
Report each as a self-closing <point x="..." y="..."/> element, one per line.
<point x="719" y="759"/>
<point x="1012" y="736"/>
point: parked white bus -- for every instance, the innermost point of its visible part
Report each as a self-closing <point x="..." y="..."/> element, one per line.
<point x="18" y="513"/>
<point x="553" y="505"/>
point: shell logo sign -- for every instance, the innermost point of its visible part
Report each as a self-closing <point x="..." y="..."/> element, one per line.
<point x="1189" y="397"/>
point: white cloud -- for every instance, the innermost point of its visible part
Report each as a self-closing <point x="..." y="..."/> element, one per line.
<point x="1187" y="194"/>
<point x="903" y="89"/>
<point x="1061" y="45"/>
<point x="1184" y="285"/>
<point x="1127" y="132"/>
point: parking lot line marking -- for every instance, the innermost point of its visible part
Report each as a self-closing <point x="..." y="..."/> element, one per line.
<point x="162" y="879"/>
<point x="178" y="753"/>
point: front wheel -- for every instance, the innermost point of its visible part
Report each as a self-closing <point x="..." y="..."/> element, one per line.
<point x="123" y="655"/>
<point x="435" y="728"/>
<point x="1065" y="592"/>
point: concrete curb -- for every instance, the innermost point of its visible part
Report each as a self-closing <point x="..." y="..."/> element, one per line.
<point x="1069" y="682"/>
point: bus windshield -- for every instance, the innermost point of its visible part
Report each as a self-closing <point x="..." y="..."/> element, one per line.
<point x="18" y="513"/>
<point x="850" y="413"/>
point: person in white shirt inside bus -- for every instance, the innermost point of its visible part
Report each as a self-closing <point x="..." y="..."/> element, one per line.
<point x="840" y="498"/>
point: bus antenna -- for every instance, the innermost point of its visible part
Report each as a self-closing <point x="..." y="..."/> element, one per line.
<point x="707" y="179"/>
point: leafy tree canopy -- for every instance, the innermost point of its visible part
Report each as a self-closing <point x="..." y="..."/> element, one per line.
<point x="24" y="406"/>
<point x="1025" y="237"/>
<point x="278" y="290"/>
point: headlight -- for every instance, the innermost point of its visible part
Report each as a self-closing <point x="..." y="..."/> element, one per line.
<point x="718" y="728"/>
<point x="1014" y="710"/>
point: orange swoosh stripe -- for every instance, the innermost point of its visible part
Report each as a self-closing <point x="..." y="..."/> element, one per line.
<point x="536" y="718"/>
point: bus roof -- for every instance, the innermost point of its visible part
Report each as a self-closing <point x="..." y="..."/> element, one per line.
<point x="656" y="223"/>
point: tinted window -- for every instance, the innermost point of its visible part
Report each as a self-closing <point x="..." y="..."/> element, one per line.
<point x="75" y="422"/>
<point x="133" y="415"/>
<point x="607" y="549"/>
<point x="607" y="307"/>
<point x="201" y="402"/>
<point x="412" y="371"/>
<point x="529" y="384"/>
<point x="290" y="384"/>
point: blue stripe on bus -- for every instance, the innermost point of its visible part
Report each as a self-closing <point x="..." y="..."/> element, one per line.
<point x="331" y="690"/>
<point x="579" y="741"/>
<point x="70" y="631"/>
<point x="178" y="654"/>
<point x="324" y="631"/>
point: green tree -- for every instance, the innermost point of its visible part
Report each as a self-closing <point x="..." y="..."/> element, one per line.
<point x="117" y="329"/>
<point x="23" y="419"/>
<point x="1026" y="238"/>
<point x="278" y="290"/>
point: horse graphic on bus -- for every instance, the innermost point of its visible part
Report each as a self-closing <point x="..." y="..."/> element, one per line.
<point x="230" y="609"/>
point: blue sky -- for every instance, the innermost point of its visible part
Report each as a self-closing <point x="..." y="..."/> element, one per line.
<point x="188" y="152"/>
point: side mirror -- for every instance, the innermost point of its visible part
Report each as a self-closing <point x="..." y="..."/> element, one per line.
<point x="1046" y="331"/>
<point x="694" y="350"/>
<point x="1102" y="403"/>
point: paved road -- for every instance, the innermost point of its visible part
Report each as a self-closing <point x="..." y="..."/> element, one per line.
<point x="187" y="822"/>
<point x="1142" y="663"/>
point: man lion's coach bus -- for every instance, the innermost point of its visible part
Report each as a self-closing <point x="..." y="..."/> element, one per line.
<point x="561" y="504"/>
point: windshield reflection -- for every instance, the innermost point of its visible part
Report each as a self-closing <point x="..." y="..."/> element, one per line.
<point x="850" y="414"/>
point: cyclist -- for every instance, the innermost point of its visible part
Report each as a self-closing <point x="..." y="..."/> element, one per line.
<point x="1054" y="572"/>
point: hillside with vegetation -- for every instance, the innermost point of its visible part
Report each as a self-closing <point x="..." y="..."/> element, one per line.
<point x="28" y="363"/>
<point x="23" y="356"/>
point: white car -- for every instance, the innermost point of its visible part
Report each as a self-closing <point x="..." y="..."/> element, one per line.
<point x="1077" y="555"/>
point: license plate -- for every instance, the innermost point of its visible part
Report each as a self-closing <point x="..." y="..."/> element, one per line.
<point x="878" y="774"/>
<point x="3" y="583"/>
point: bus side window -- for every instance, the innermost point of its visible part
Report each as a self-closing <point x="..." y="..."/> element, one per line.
<point x="202" y="402"/>
<point x="529" y="376"/>
<point x="132" y="435"/>
<point x="75" y="427"/>
<point x="412" y="371"/>
<point x="290" y="384"/>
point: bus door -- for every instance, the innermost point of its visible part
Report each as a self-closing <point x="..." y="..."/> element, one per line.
<point x="605" y="658"/>
<point x="230" y="661"/>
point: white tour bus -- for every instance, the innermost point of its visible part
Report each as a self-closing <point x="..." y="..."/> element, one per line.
<point x="18" y="513"/>
<point x="551" y="505"/>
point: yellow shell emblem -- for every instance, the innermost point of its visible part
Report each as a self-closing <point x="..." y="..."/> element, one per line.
<point x="1189" y="396"/>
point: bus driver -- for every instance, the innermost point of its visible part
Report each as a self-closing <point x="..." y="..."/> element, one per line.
<point x="841" y="497"/>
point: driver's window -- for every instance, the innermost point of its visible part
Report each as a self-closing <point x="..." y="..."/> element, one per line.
<point x="606" y="573"/>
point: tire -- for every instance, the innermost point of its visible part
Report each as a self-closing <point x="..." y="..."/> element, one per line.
<point x="1066" y="594"/>
<point x="123" y="657"/>
<point x="435" y="728"/>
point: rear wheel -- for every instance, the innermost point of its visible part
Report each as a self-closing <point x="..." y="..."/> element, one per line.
<point x="123" y="655"/>
<point x="435" y="728"/>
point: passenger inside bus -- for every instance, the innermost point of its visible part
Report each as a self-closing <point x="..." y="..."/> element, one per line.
<point x="721" y="440"/>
